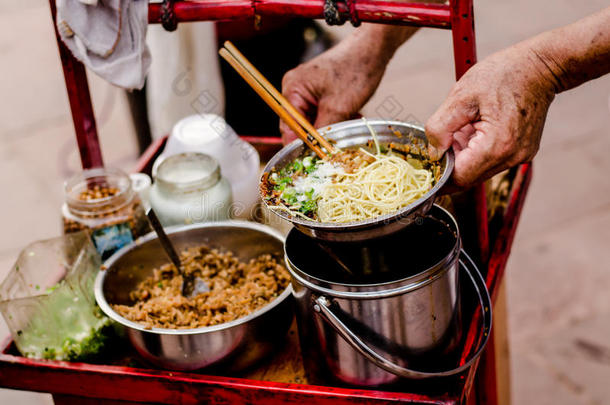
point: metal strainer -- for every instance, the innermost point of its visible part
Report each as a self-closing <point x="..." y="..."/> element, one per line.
<point x="355" y="133"/>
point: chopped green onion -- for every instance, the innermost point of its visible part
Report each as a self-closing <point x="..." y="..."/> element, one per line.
<point x="290" y="196"/>
<point x="308" y="161"/>
<point x="282" y="183"/>
<point x="310" y="169"/>
<point x="297" y="166"/>
<point x="308" y="206"/>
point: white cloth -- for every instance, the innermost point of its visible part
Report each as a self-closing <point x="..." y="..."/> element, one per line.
<point x="108" y="36"/>
<point x="184" y="77"/>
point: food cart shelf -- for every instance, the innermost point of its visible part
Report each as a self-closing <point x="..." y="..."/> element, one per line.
<point x="88" y="384"/>
<point x="279" y="380"/>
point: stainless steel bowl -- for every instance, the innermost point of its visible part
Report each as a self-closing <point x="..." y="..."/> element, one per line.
<point x="354" y="133"/>
<point x="231" y="346"/>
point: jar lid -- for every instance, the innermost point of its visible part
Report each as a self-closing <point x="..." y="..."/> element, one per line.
<point x="188" y="172"/>
<point x="199" y="130"/>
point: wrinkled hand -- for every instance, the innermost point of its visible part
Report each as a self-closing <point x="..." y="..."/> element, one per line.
<point x="328" y="89"/>
<point x="493" y="116"/>
<point x="335" y="85"/>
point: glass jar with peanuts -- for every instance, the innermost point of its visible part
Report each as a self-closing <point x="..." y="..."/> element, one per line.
<point x="102" y="201"/>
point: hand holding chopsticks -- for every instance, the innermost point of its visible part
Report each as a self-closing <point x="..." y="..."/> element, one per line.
<point x="276" y="101"/>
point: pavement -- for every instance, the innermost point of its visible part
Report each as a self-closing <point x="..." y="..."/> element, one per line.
<point x="558" y="276"/>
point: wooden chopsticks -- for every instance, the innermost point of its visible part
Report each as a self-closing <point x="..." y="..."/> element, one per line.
<point x="276" y="101"/>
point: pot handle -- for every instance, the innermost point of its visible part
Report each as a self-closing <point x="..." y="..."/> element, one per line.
<point x="323" y="306"/>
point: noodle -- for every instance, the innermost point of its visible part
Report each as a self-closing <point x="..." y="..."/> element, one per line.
<point x="353" y="185"/>
<point x="382" y="187"/>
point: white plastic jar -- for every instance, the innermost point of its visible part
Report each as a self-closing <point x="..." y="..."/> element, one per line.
<point x="239" y="161"/>
<point x="189" y="188"/>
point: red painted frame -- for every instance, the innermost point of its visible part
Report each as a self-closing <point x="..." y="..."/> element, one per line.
<point x="379" y="11"/>
<point x="164" y="387"/>
<point x="80" y="104"/>
<point x="111" y="383"/>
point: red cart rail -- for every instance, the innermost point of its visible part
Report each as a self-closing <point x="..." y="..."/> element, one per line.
<point x="85" y="383"/>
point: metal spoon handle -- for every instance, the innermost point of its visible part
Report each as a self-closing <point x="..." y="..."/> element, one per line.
<point x="165" y="242"/>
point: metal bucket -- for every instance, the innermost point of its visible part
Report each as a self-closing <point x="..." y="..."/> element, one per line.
<point x="372" y="313"/>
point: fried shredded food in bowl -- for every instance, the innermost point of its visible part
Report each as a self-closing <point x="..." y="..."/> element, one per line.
<point x="236" y="289"/>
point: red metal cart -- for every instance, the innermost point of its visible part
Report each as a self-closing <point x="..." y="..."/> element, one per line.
<point x="118" y="384"/>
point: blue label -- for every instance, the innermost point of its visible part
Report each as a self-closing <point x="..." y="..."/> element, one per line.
<point x="110" y="239"/>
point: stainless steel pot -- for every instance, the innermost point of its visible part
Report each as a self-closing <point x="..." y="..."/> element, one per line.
<point x="355" y="133"/>
<point x="373" y="329"/>
<point x="231" y="346"/>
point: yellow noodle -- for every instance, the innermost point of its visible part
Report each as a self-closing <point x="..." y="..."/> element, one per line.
<point x="381" y="187"/>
